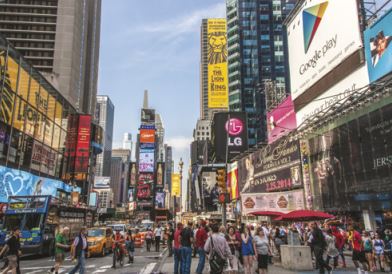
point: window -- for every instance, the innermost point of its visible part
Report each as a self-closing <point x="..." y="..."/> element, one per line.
<point x="264" y="17"/>
<point x="265" y="37"/>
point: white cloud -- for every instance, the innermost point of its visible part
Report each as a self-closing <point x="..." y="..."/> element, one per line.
<point x="179" y="143"/>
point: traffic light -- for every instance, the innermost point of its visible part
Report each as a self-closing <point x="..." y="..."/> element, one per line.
<point x="221" y="179"/>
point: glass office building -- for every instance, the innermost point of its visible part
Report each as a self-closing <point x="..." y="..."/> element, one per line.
<point x="33" y="118"/>
<point x="257" y="54"/>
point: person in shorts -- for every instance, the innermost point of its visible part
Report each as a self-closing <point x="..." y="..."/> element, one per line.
<point x="358" y="252"/>
<point x="13" y="247"/>
<point x="61" y="246"/>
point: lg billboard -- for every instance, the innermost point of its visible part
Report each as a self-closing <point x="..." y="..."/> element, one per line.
<point x="230" y="134"/>
<point x="320" y="36"/>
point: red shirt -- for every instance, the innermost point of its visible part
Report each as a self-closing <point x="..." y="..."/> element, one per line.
<point x="177" y="235"/>
<point x="357" y="241"/>
<point x="201" y="237"/>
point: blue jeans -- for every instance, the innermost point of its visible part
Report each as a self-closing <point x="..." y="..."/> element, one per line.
<point x="202" y="260"/>
<point x="81" y="265"/>
<point x="186" y="259"/>
<point x="177" y="260"/>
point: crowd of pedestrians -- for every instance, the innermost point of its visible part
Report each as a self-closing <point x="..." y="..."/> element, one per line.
<point x="233" y="249"/>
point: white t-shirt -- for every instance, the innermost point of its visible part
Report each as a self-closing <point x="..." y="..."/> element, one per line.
<point x="158" y="232"/>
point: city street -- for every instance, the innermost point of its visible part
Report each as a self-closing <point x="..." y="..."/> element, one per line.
<point x="144" y="263"/>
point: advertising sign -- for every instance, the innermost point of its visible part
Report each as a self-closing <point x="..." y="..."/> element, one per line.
<point x="176" y="185"/>
<point x="232" y="180"/>
<point x="160" y="174"/>
<point x="132" y="173"/>
<point x="83" y="144"/>
<point x="160" y="199"/>
<point x="339" y="92"/>
<point x="354" y="159"/>
<point x="378" y="48"/>
<point x="217" y="64"/>
<point x="15" y="182"/>
<point x="229" y="129"/>
<point x="93" y="200"/>
<point x="281" y="201"/>
<point x="275" y="167"/>
<point x="321" y="35"/>
<point x="144" y="192"/>
<point x="43" y="159"/>
<point x="146" y="160"/>
<point x="145" y="178"/>
<point x="131" y="195"/>
<point x="281" y="120"/>
<point x="101" y="182"/>
<point x="148" y="116"/>
<point x="147" y="136"/>
<point x="210" y="190"/>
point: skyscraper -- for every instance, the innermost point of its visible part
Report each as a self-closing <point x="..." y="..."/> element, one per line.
<point x="160" y="132"/>
<point x="212" y="43"/>
<point x="104" y="115"/>
<point x="121" y="159"/>
<point x="257" y="56"/>
<point x="61" y="39"/>
<point x="127" y="141"/>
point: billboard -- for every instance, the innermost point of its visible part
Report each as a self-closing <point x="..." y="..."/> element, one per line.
<point x="14" y="182"/>
<point x="281" y="201"/>
<point x="131" y="195"/>
<point x="321" y="35"/>
<point x="352" y="160"/>
<point x="281" y="120"/>
<point x="43" y="159"/>
<point x="273" y="168"/>
<point x="101" y="182"/>
<point x="146" y="160"/>
<point x="132" y="173"/>
<point x="160" y="200"/>
<point x="147" y="136"/>
<point x="217" y="64"/>
<point x="378" y="47"/>
<point x="83" y="144"/>
<point x="160" y="173"/>
<point x="210" y="190"/>
<point x="176" y="185"/>
<point x="145" y="178"/>
<point x="232" y="180"/>
<point x="143" y="192"/>
<point x="148" y="116"/>
<point x="229" y="129"/>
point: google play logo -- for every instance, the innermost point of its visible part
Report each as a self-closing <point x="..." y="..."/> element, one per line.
<point x="311" y="18"/>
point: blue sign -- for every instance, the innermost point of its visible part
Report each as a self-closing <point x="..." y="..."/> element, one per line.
<point x="378" y="47"/>
<point x="14" y="182"/>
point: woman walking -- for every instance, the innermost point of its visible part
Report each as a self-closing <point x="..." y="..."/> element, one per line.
<point x="378" y="251"/>
<point x="262" y="250"/>
<point x="149" y="235"/>
<point x="368" y="249"/>
<point x="130" y="244"/>
<point x="332" y="251"/>
<point x="234" y="247"/>
<point x="247" y="249"/>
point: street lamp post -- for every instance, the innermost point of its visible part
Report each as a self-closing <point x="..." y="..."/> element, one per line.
<point x="180" y="167"/>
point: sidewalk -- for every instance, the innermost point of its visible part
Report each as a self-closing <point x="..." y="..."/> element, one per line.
<point x="168" y="265"/>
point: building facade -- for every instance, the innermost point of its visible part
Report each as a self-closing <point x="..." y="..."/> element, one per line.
<point x="160" y="132"/>
<point x="105" y="197"/>
<point x="122" y="179"/>
<point x="61" y="39"/>
<point x="257" y="55"/>
<point x="104" y="116"/>
<point x="127" y="142"/>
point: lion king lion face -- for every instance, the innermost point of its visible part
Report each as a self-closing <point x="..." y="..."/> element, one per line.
<point x="217" y="48"/>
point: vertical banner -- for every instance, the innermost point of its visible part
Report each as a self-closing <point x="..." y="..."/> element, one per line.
<point x="132" y="174"/>
<point x="217" y="64"/>
<point x="160" y="174"/>
<point x="83" y="144"/>
<point x="232" y="181"/>
<point x="176" y="184"/>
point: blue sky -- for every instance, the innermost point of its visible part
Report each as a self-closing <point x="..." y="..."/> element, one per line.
<point x="154" y="45"/>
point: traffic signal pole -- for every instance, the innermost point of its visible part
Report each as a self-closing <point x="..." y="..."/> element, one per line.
<point x="224" y="219"/>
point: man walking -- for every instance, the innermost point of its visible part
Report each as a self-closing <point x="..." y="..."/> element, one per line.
<point x="157" y="234"/>
<point x="186" y="248"/>
<point x="79" y="252"/>
<point x="13" y="247"/>
<point x="358" y="252"/>
<point x="319" y="245"/>
<point x="201" y="238"/>
<point x="170" y="237"/>
<point x="61" y="246"/>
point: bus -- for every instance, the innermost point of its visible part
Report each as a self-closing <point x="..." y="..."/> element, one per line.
<point x="39" y="218"/>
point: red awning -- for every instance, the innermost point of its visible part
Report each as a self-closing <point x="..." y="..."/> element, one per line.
<point x="266" y="213"/>
<point x="304" y="215"/>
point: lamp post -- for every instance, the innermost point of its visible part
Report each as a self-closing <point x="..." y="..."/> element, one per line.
<point x="180" y="167"/>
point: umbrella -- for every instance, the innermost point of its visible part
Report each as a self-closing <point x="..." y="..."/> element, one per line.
<point x="266" y="213"/>
<point x="304" y="215"/>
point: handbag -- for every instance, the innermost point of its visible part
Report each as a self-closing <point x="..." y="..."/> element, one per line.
<point x="217" y="263"/>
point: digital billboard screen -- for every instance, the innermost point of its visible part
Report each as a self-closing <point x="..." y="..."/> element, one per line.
<point x="146" y="160"/>
<point x="160" y="199"/>
<point x="148" y="116"/>
<point x="83" y="144"/>
<point x="147" y="136"/>
<point x="229" y="129"/>
<point x="378" y="47"/>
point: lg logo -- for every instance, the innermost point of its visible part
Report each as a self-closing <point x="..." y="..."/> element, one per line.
<point x="234" y="126"/>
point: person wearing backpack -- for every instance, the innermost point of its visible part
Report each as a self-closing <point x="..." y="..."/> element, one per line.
<point x="368" y="248"/>
<point x="319" y="246"/>
<point x="218" y="251"/>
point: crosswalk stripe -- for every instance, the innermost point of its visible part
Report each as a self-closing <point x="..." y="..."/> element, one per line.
<point x="148" y="269"/>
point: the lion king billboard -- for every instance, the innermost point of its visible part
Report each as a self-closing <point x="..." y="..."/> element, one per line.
<point x="217" y="64"/>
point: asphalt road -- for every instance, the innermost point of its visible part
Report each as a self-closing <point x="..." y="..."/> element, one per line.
<point x="144" y="263"/>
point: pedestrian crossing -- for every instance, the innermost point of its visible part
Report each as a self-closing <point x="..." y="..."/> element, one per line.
<point x="91" y="269"/>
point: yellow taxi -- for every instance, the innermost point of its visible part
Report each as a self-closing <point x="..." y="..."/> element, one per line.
<point x="99" y="241"/>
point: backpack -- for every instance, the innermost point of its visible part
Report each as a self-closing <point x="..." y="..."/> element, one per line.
<point x="217" y="263"/>
<point x="367" y="245"/>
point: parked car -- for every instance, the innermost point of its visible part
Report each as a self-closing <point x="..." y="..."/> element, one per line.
<point x="99" y="241"/>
